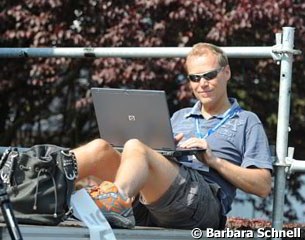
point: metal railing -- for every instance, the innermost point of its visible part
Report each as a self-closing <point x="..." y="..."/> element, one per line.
<point x="131" y="52"/>
<point x="282" y="52"/>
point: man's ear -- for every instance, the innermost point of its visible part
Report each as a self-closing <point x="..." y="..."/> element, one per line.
<point x="227" y="71"/>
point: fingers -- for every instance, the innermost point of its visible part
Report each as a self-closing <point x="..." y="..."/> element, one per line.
<point x="194" y="143"/>
<point x="178" y="137"/>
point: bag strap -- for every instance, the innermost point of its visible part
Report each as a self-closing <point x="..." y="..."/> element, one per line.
<point x="69" y="164"/>
<point x="70" y="169"/>
<point x="7" y="163"/>
<point x="4" y="156"/>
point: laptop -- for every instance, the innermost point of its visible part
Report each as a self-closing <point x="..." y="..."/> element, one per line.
<point x="123" y="114"/>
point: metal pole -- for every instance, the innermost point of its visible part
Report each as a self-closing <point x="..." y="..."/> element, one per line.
<point x="130" y="52"/>
<point x="8" y="213"/>
<point x="282" y="128"/>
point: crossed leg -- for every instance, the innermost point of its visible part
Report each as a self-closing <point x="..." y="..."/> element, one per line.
<point x="139" y="169"/>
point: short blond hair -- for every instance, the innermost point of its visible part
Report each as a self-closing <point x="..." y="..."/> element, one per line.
<point x="201" y="49"/>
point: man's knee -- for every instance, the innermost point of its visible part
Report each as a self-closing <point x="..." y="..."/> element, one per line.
<point x="134" y="145"/>
<point x="134" y="148"/>
<point x="91" y="151"/>
<point x="98" y="145"/>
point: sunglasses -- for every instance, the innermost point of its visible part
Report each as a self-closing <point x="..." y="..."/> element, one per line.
<point x="207" y="76"/>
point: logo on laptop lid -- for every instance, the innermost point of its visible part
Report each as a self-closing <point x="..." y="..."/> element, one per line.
<point x="132" y="118"/>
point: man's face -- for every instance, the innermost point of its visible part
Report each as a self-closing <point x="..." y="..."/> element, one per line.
<point x="212" y="91"/>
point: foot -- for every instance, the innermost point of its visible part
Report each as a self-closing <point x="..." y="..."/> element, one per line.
<point x="116" y="209"/>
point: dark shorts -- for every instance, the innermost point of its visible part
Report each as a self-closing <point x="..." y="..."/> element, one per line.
<point x="189" y="202"/>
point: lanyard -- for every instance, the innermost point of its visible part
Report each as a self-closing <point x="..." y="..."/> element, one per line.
<point x="230" y="114"/>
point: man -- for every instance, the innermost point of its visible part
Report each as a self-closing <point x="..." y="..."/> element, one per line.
<point x="196" y="191"/>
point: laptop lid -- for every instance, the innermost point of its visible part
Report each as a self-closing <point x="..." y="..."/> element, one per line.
<point x="123" y="114"/>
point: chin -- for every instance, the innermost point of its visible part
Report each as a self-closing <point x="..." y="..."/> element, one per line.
<point x="205" y="100"/>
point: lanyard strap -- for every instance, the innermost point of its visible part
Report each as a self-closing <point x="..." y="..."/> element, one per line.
<point x="230" y="114"/>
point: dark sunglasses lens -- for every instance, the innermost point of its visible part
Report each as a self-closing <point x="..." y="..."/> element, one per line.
<point x="194" y="78"/>
<point x="210" y="75"/>
<point x="207" y="76"/>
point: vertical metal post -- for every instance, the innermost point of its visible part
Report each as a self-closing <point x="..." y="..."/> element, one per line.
<point x="282" y="127"/>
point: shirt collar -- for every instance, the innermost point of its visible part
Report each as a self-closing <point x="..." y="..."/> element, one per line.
<point x="195" y="111"/>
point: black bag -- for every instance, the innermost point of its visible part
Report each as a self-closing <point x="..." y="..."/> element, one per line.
<point x="39" y="182"/>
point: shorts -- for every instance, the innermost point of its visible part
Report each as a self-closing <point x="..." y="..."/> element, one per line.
<point x="189" y="202"/>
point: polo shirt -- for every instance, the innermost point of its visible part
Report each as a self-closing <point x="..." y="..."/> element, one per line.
<point x="241" y="140"/>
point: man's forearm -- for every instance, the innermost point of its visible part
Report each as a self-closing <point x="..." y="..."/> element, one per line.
<point x="251" y="180"/>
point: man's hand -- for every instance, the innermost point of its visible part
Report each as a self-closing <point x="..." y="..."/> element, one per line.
<point x="207" y="157"/>
<point x="178" y="138"/>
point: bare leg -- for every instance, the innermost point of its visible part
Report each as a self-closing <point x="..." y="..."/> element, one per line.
<point x="97" y="158"/>
<point x="144" y="170"/>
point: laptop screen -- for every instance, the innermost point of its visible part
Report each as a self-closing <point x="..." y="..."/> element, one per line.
<point x="123" y="114"/>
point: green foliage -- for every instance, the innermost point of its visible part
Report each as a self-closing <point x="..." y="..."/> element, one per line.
<point x="47" y="100"/>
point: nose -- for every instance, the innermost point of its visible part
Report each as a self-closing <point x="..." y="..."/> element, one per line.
<point x="203" y="82"/>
